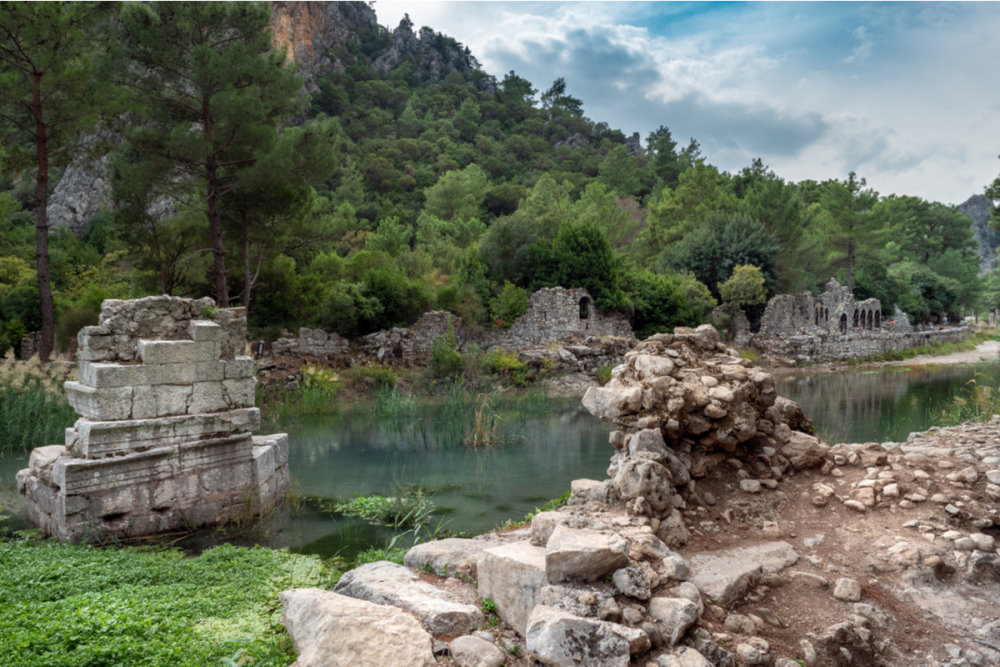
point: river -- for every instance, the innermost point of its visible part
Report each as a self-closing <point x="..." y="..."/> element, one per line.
<point x="548" y="444"/>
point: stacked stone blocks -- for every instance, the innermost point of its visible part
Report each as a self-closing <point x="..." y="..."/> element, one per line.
<point x="164" y="436"/>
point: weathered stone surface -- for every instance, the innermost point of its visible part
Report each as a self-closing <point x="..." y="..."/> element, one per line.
<point x="542" y="525"/>
<point x="633" y="582"/>
<point x="384" y="582"/>
<point x="585" y="555"/>
<point x="452" y="556"/>
<point x="676" y="614"/>
<point x="724" y="576"/>
<point x="847" y="589"/>
<point x="804" y="450"/>
<point x="165" y="435"/>
<point x="589" y="490"/>
<point x="612" y="402"/>
<point x="683" y="657"/>
<point x="555" y="637"/>
<point x="332" y="629"/>
<point x="470" y="651"/>
<point x="512" y="575"/>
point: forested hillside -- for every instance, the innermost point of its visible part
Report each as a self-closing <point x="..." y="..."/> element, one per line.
<point x="398" y="178"/>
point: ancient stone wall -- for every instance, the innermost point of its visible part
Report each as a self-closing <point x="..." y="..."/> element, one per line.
<point x="313" y="343"/>
<point x="412" y="345"/>
<point x="835" y="327"/>
<point x="166" y="407"/>
<point x="554" y="313"/>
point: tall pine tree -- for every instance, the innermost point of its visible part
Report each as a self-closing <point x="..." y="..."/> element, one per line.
<point x="209" y="94"/>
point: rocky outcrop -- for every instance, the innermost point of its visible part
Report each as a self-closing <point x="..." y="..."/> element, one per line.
<point x="433" y="56"/>
<point x="164" y="440"/>
<point x="978" y="208"/>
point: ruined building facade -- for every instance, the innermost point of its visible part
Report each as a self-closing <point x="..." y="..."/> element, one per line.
<point x="833" y="326"/>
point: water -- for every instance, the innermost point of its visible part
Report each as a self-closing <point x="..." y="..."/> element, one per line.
<point x="549" y="445"/>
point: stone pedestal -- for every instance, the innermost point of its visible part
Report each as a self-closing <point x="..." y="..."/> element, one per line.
<point x="164" y="436"/>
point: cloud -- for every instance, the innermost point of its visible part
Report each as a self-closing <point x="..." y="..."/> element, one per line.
<point x="864" y="48"/>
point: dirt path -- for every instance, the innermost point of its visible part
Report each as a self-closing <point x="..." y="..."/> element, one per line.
<point x="985" y="351"/>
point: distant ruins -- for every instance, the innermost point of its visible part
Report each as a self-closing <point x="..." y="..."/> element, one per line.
<point x="554" y="313"/>
<point x="833" y="327"/>
<point x="166" y="405"/>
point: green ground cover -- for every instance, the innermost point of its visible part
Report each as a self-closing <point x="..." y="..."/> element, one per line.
<point x="80" y="605"/>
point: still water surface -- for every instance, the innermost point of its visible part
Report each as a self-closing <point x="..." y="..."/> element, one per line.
<point x="359" y="452"/>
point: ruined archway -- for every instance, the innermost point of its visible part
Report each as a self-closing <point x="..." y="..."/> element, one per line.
<point x="585" y="308"/>
<point x="843" y="323"/>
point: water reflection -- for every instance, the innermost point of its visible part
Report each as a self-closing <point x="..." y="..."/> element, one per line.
<point x="883" y="404"/>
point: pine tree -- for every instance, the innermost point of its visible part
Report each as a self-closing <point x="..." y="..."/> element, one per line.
<point x="48" y="101"/>
<point x="209" y="94"/>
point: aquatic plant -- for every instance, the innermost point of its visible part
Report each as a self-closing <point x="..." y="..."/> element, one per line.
<point x="33" y="408"/>
<point x="400" y="511"/>
<point x="390" y="402"/>
<point x="977" y="402"/>
<point x="485" y="431"/>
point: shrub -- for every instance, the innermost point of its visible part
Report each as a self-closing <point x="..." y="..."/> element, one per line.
<point x="507" y="365"/>
<point x="509" y="304"/>
<point x="446" y="360"/>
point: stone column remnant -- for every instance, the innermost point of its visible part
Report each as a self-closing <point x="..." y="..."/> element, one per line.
<point x="164" y="440"/>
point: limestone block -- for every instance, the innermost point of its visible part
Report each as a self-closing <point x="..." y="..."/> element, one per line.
<point x="472" y="651"/>
<point x="187" y="373"/>
<point x="240" y="368"/>
<point x="205" y="330"/>
<point x="609" y="403"/>
<point x="452" y="556"/>
<point x="209" y="397"/>
<point x="384" y="582"/>
<point x="676" y="614"/>
<point x="587" y="490"/>
<point x="642" y="477"/>
<point x="177" y="351"/>
<point x="96" y="439"/>
<point x="332" y="629"/>
<point x="512" y="575"/>
<point x="804" y="450"/>
<point x="42" y="459"/>
<point x="103" y="375"/>
<point x="278" y="442"/>
<point x="105" y="404"/>
<point x="239" y="393"/>
<point x="555" y="637"/>
<point x="542" y="525"/>
<point x="82" y="477"/>
<point x="581" y="554"/>
<point x="165" y="400"/>
<point x="724" y="576"/>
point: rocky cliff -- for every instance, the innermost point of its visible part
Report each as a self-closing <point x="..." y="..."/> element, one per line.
<point x="977" y="207"/>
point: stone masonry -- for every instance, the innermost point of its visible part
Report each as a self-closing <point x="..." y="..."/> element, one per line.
<point x="834" y="327"/>
<point x="166" y="407"/>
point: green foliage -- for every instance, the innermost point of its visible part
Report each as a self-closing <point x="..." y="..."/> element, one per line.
<point x="745" y="287"/>
<point x="446" y="361"/>
<point x="146" y="607"/>
<point x="506" y="365"/>
<point x="509" y="304"/>
<point x="978" y="402"/>
<point x="33" y="407"/>
<point x="401" y="512"/>
<point x="583" y="258"/>
<point x="661" y="302"/>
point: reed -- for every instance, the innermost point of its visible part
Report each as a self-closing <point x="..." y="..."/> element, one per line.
<point x="33" y="407"/>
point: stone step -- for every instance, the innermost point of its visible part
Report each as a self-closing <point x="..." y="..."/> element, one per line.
<point x="384" y="582"/>
<point x="724" y="576"/>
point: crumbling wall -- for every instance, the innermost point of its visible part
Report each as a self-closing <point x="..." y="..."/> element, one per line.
<point x="554" y="313"/>
<point x="313" y="343"/>
<point x="835" y="327"/>
<point x="166" y="407"/>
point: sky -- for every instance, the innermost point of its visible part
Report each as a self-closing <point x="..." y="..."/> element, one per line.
<point x="907" y="95"/>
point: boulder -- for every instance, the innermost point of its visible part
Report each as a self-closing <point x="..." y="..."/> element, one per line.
<point x="384" y="582"/>
<point x="332" y="629"/>
<point x="451" y="556"/>
<point x="804" y="450"/>
<point x="557" y="638"/>
<point x="676" y="615"/>
<point x="470" y="651"/>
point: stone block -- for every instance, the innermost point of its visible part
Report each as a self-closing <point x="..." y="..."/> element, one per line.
<point x="555" y="637"/>
<point x="103" y="375"/>
<point x="177" y="351"/>
<point x="160" y="401"/>
<point x="512" y="575"/>
<point x="205" y="330"/>
<point x="111" y="403"/>
<point x="239" y="393"/>
<point x="383" y="582"/>
<point x="208" y="397"/>
<point x="239" y="368"/>
<point x="97" y="439"/>
<point x="724" y="576"/>
<point x="453" y="556"/>
<point x="187" y="373"/>
<point x="585" y="555"/>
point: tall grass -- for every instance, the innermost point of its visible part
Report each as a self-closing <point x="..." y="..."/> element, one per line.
<point x="978" y="401"/>
<point x="484" y="431"/>
<point x="33" y="407"/>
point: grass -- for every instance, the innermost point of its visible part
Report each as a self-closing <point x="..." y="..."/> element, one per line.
<point x="33" y="407"/>
<point x="935" y="349"/>
<point x="80" y="605"/>
<point x="486" y="422"/>
<point x="316" y="394"/>
<point x="978" y="401"/>
<point x="400" y="511"/>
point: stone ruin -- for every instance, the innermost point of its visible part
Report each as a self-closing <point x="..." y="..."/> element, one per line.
<point x="592" y="339"/>
<point x="833" y="312"/>
<point x="833" y="327"/>
<point x="166" y="405"/>
<point x="597" y="581"/>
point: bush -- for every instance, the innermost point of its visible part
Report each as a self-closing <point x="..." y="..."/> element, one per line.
<point x="507" y="365"/>
<point x="509" y="304"/>
<point x="446" y="360"/>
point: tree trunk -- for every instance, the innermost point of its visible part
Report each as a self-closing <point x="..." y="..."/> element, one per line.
<point x="214" y="220"/>
<point x="47" y="342"/>
<point x="247" y="278"/>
